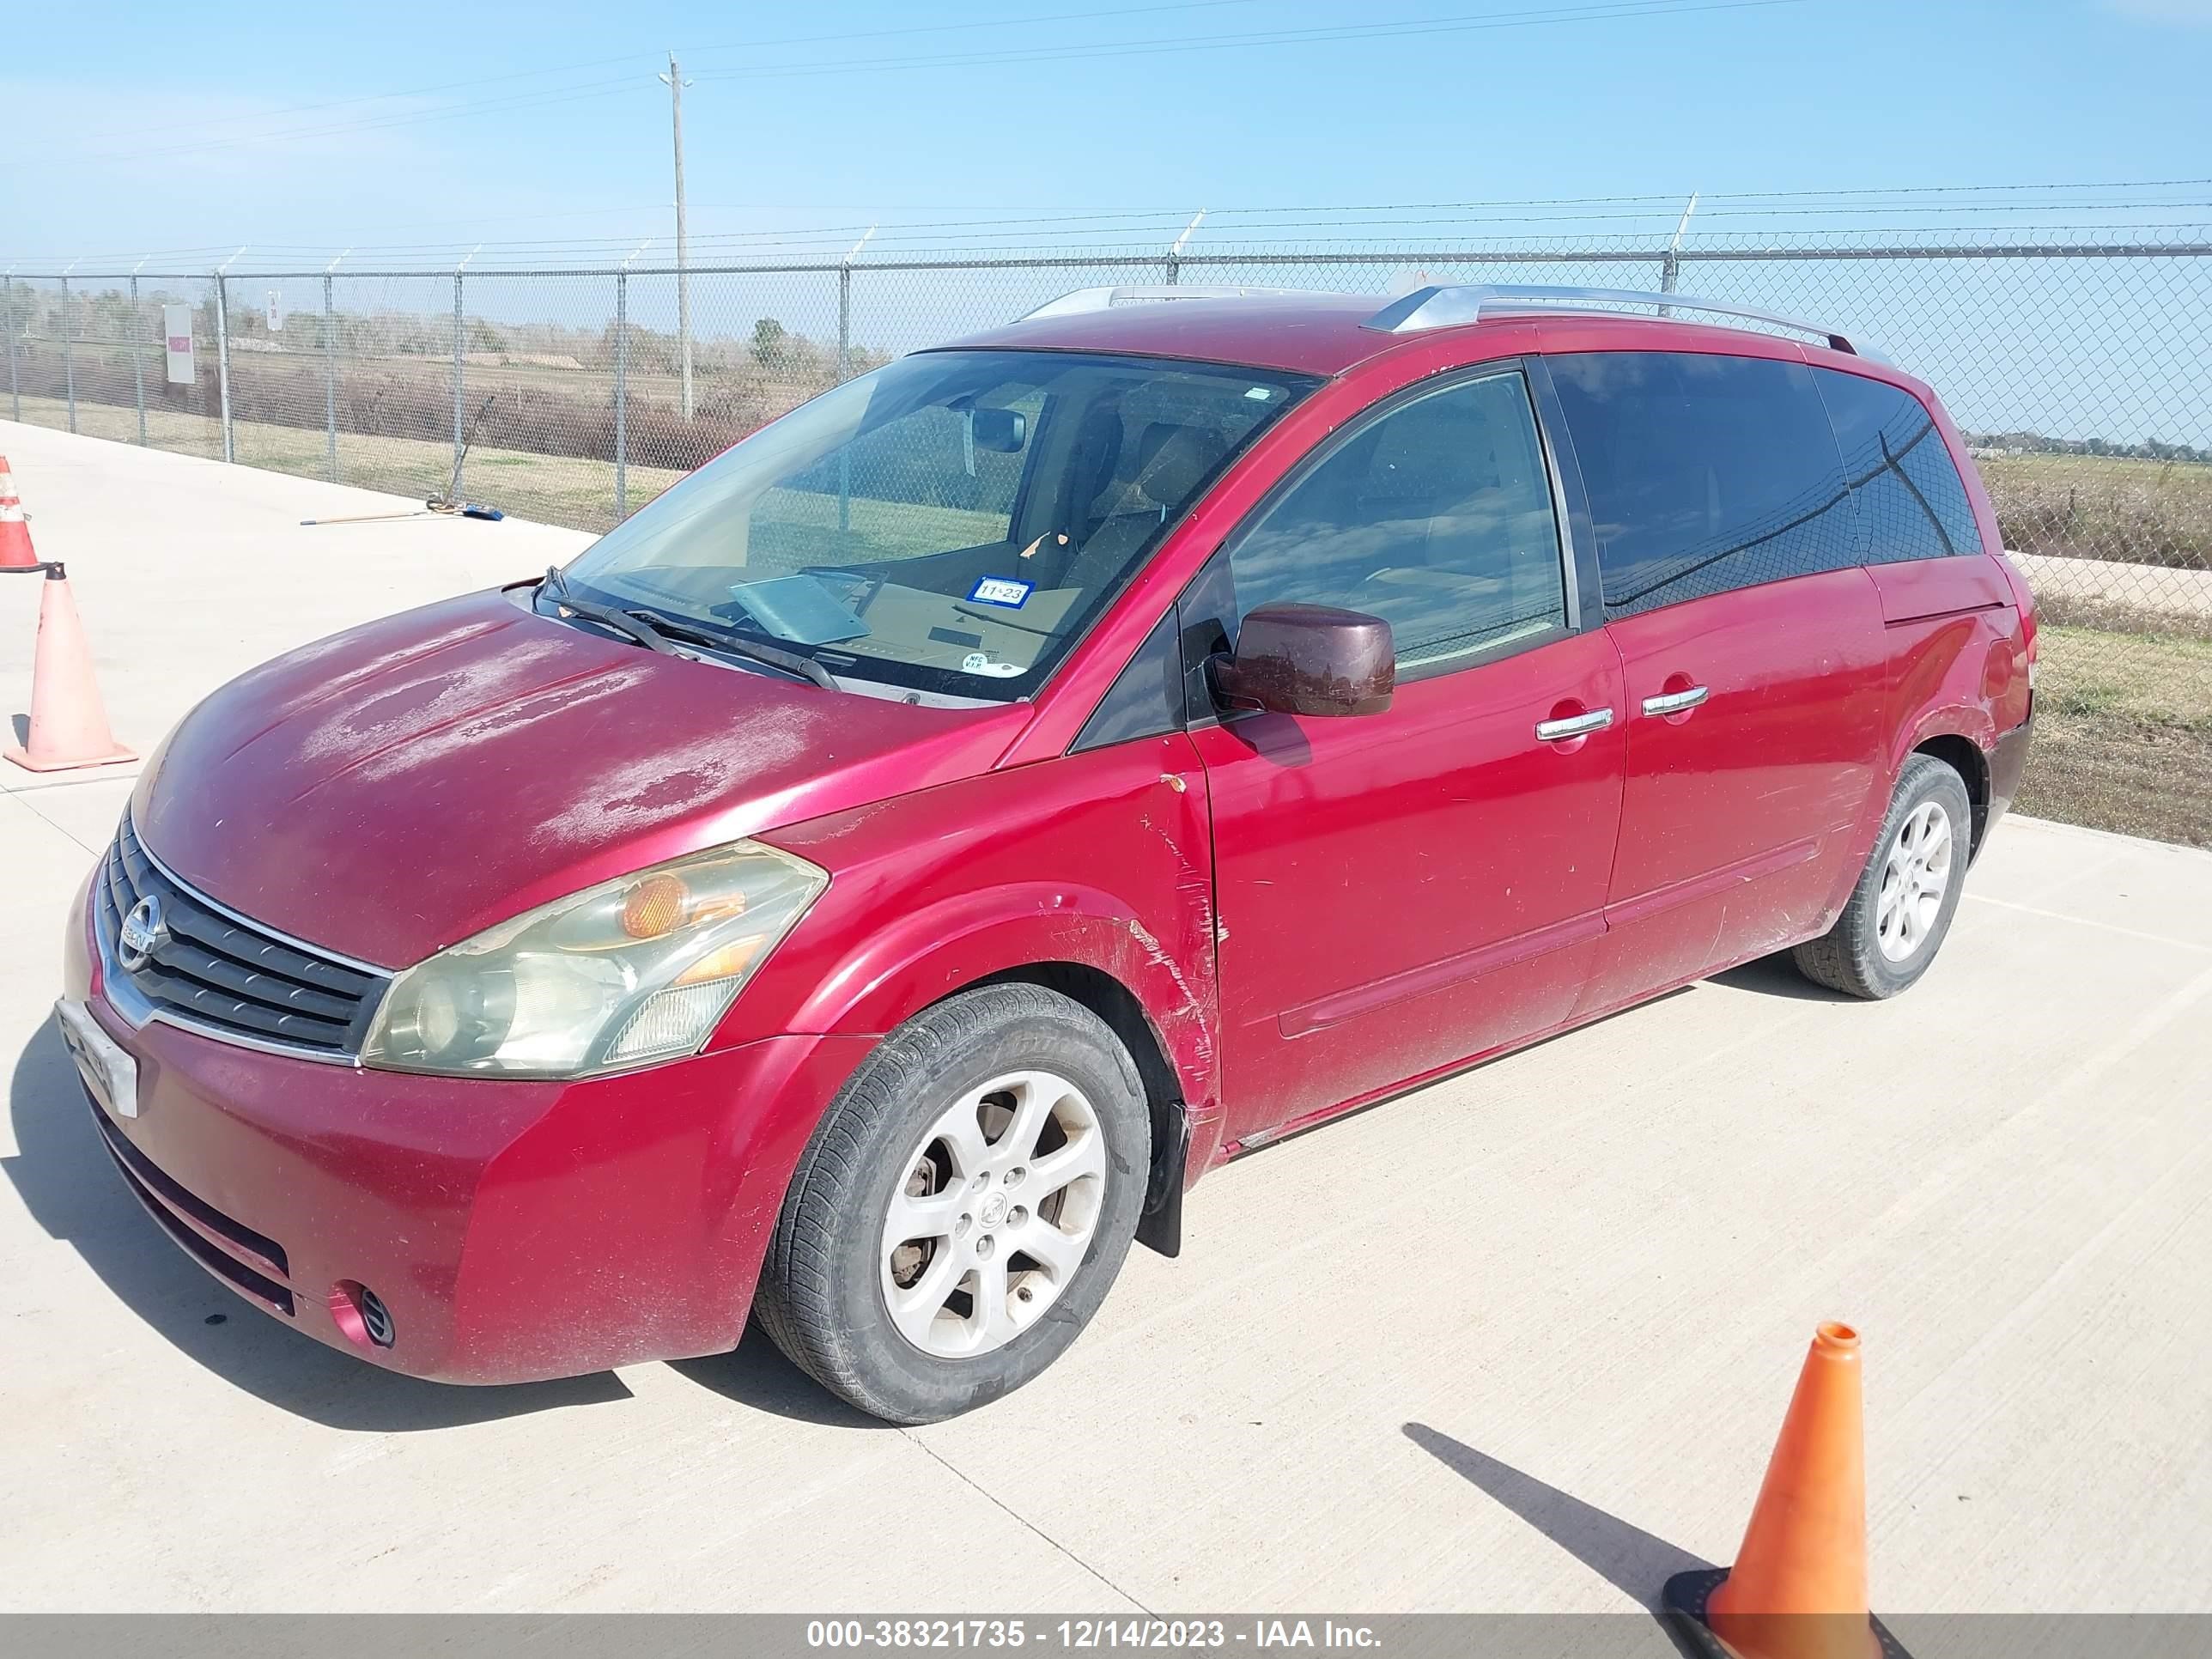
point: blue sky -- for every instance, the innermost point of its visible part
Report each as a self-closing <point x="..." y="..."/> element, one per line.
<point x="137" y="127"/>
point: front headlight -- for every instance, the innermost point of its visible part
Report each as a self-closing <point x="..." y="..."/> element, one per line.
<point x="632" y="970"/>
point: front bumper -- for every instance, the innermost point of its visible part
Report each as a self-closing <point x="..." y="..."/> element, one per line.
<point x="514" y="1230"/>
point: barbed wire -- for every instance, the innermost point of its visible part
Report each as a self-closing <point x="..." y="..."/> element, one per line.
<point x="1421" y="227"/>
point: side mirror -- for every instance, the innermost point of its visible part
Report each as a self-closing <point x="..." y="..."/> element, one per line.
<point x="1309" y="659"/>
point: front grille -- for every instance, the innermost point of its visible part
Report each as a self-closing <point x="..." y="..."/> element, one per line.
<point x="218" y="973"/>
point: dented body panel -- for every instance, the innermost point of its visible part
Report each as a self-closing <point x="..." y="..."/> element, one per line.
<point x="1101" y="860"/>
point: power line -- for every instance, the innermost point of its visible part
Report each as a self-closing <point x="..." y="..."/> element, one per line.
<point x="1612" y="11"/>
<point x="1537" y="208"/>
<point x="1016" y="21"/>
<point x="879" y="214"/>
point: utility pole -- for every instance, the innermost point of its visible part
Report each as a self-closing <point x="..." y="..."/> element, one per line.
<point x="676" y="84"/>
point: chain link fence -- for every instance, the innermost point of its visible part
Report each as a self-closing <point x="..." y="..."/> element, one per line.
<point x="2081" y="372"/>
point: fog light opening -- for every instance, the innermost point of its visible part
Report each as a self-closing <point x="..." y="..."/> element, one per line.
<point x="360" y="1314"/>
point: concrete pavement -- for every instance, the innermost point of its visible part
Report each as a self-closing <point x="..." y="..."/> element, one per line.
<point x="1518" y="1342"/>
<point x="2185" y="596"/>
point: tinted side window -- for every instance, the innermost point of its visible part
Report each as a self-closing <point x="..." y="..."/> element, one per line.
<point x="1436" y="517"/>
<point x="1704" y="473"/>
<point x="1912" y="503"/>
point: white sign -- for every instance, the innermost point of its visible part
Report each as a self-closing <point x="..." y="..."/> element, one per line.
<point x="176" y="326"/>
<point x="275" y="312"/>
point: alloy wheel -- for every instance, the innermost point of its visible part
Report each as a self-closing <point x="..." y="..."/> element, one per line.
<point x="1914" y="880"/>
<point x="993" y="1215"/>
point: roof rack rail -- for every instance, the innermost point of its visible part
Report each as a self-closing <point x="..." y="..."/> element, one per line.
<point x="1081" y="299"/>
<point x="1448" y="305"/>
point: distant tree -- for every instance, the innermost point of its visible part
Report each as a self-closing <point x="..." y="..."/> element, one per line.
<point x="770" y="343"/>
<point x="646" y="352"/>
<point x="2036" y="443"/>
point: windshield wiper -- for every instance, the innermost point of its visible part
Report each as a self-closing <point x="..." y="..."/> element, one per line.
<point x="658" y="632"/>
<point x="628" y="623"/>
<point x="791" y="662"/>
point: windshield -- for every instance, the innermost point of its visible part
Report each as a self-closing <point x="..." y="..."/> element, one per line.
<point x="950" y="523"/>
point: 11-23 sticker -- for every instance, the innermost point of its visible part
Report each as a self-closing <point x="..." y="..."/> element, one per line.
<point x="1002" y="590"/>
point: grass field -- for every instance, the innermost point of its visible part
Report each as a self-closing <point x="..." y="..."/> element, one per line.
<point x="559" y="490"/>
<point x="2097" y="507"/>
<point x="2123" y="734"/>
<point x="563" y="489"/>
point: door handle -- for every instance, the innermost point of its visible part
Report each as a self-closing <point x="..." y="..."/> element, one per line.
<point x="1573" y="725"/>
<point x="1673" y="702"/>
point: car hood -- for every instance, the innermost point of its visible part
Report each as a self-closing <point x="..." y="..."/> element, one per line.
<point x="395" y="788"/>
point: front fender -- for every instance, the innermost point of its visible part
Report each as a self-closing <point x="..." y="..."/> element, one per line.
<point x="934" y="951"/>
<point x="1102" y="860"/>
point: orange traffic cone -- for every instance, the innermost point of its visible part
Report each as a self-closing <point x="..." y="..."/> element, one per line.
<point x="1798" y="1589"/>
<point x="14" y="534"/>
<point x="69" y="727"/>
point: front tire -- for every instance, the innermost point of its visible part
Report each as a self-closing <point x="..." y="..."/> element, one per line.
<point x="963" y="1207"/>
<point x="1897" y="915"/>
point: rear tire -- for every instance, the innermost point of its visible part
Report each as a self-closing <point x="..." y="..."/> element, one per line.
<point x="962" y="1207"/>
<point x="1898" y="914"/>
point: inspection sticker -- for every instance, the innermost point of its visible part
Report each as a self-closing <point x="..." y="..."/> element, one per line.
<point x="1001" y="589"/>
<point x="981" y="662"/>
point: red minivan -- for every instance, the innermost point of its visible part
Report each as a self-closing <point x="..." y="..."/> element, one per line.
<point x="869" y="885"/>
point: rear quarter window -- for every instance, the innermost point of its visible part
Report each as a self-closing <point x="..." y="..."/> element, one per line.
<point x="1912" y="504"/>
<point x="1704" y="473"/>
